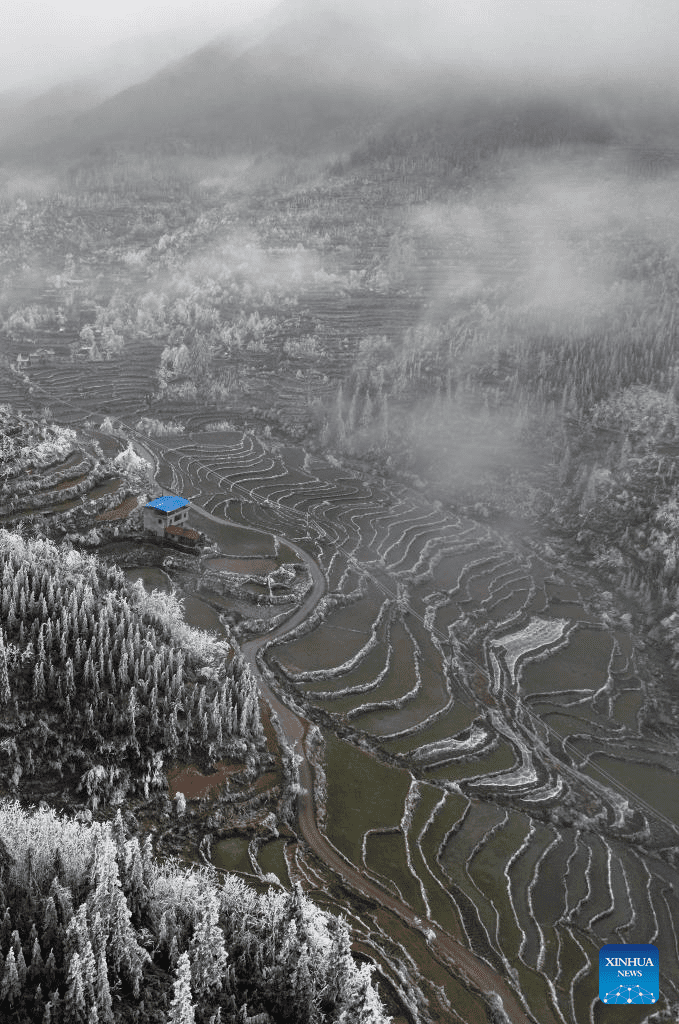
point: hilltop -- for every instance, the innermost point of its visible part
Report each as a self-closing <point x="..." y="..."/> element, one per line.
<point x="313" y="80"/>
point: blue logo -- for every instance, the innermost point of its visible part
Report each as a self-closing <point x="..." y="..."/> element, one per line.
<point x="629" y="974"/>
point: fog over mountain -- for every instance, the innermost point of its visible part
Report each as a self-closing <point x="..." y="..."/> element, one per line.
<point x="52" y="41"/>
<point x="321" y="74"/>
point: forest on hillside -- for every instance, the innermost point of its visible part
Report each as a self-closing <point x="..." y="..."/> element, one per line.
<point x="94" y="930"/>
<point x="104" y="683"/>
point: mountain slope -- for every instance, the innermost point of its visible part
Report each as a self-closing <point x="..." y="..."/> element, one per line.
<point x="309" y="81"/>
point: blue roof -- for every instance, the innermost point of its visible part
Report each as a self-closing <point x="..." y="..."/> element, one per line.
<point x="168" y="503"/>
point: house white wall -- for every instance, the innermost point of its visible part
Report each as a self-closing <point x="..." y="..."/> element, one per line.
<point x="154" y="521"/>
<point x="157" y="521"/>
<point x="179" y="517"/>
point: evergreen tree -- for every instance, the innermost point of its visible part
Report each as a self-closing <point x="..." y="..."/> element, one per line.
<point x="74" y="1001"/>
<point x="181" y="1009"/>
<point x="5" y="692"/>
<point x="102" y="991"/>
<point x="10" y="989"/>
<point x="167" y="930"/>
<point x="123" y="946"/>
<point x="70" y="679"/>
<point x="50" y="969"/>
<point x="147" y="860"/>
<point x="207" y="951"/>
<point x="89" y="973"/>
<point x="57" y="1007"/>
<point x="6" y="929"/>
<point x="37" y="967"/>
<point x="303" y="989"/>
<point x="22" y="970"/>
<point x="72" y="941"/>
<point x="119" y="838"/>
<point x="97" y="935"/>
<point x="50" y="922"/>
<point x="39" y="681"/>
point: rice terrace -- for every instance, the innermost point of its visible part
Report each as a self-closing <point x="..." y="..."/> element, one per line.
<point x="339" y="521"/>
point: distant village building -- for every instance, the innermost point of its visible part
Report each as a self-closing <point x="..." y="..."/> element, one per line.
<point x="39" y="357"/>
<point x="166" y="516"/>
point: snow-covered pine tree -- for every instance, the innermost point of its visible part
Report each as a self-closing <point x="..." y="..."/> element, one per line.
<point x="123" y="947"/>
<point x="50" y="969"/>
<point x="22" y="970"/>
<point x="134" y="875"/>
<point x="102" y="992"/>
<point x="97" y="935"/>
<point x="207" y="951"/>
<point x="37" y="967"/>
<point x="39" y="686"/>
<point x="303" y="988"/>
<point x="72" y="940"/>
<point x="5" y="691"/>
<point x="167" y="930"/>
<point x="69" y="685"/>
<point x="54" y="1009"/>
<point x="38" y="1001"/>
<point x="182" y="1009"/>
<point x="10" y="988"/>
<point x="89" y="973"/>
<point x="75" y="1007"/>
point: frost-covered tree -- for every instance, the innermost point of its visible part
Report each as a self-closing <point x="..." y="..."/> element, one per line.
<point x="182" y="1009"/>
<point x="225" y="943"/>
<point x="102" y="991"/>
<point x="75" y="1006"/>
<point x="207" y="951"/>
<point x="5" y="691"/>
<point x="36" y="970"/>
<point x="10" y="988"/>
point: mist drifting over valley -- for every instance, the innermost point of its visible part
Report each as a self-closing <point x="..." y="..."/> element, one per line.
<point x="339" y="524"/>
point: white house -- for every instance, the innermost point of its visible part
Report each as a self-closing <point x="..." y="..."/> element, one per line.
<point x="161" y="513"/>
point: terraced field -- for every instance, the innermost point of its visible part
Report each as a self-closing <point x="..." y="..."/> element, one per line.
<point x="491" y="690"/>
<point x="485" y="769"/>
